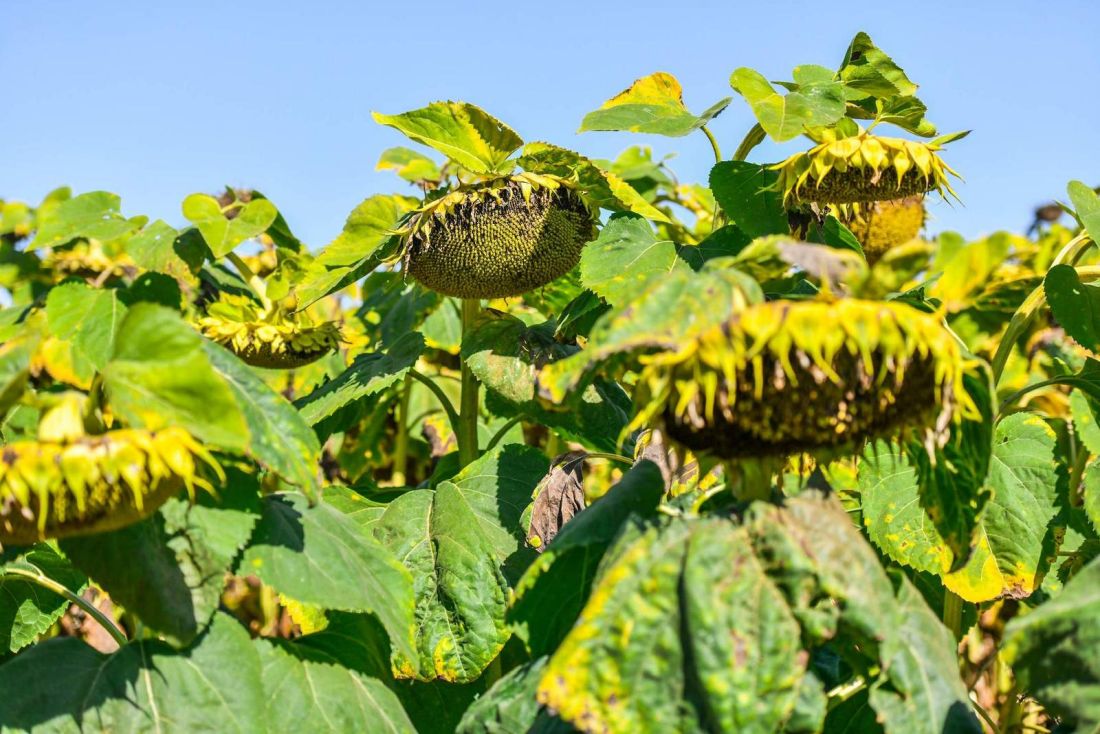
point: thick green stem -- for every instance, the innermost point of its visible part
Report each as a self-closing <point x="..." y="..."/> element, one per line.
<point x="952" y="612"/>
<point x="90" y="609"/>
<point x="254" y="281"/>
<point x="401" y="445"/>
<point x="753" y="138"/>
<point x="444" y="401"/>
<point x="468" y="405"/>
<point x="713" y="144"/>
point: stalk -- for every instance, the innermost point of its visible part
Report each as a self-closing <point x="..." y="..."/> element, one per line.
<point x="753" y="138"/>
<point x="61" y="590"/>
<point x="254" y="281"/>
<point x="401" y="448"/>
<point x="713" y="144"/>
<point x="467" y="416"/>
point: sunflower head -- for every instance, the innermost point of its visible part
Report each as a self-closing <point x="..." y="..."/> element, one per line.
<point x="883" y="225"/>
<point x="88" y="259"/>
<point x="273" y="338"/>
<point x="498" y="238"/>
<point x="862" y="168"/>
<point x="66" y="483"/>
<point x="789" y="377"/>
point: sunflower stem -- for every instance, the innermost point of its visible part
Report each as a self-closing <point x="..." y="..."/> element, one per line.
<point x="499" y="435"/>
<point x="401" y="447"/>
<point x="254" y="281"/>
<point x="754" y="137"/>
<point x="444" y="401"/>
<point x="37" y="577"/>
<point x="713" y="143"/>
<point x="468" y="405"/>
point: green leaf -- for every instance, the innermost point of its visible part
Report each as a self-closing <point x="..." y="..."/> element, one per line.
<point x="15" y="362"/>
<point x="498" y="487"/>
<point x="1084" y="411"/>
<point x="815" y="99"/>
<point x="317" y="695"/>
<point x="505" y="355"/>
<point x="163" y="249"/>
<point x="26" y="609"/>
<point x="66" y="685"/>
<point x="221" y="233"/>
<point x="746" y="193"/>
<point x="95" y="215"/>
<point x="466" y="134"/>
<point x="1053" y="651"/>
<point x="1011" y="543"/>
<point x="1087" y="203"/>
<point x="555" y="588"/>
<point x="1091" y="499"/>
<point x="867" y="69"/>
<point x="169" y="569"/>
<point x="369" y="374"/>
<point x="278" y="436"/>
<point x="89" y="318"/>
<point x="316" y="555"/>
<point x="669" y="311"/>
<point x="626" y="257"/>
<point x="160" y="375"/>
<point x="652" y="104"/>
<point x="460" y="591"/>
<point x="601" y="187"/>
<point x="369" y="226"/>
<point x="409" y="164"/>
<point x="1075" y="305"/>
<point x="510" y="706"/>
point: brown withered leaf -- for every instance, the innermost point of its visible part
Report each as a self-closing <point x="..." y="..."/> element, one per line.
<point x="560" y="496"/>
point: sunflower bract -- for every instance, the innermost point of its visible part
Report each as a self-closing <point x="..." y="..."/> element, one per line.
<point x="862" y="168"/>
<point x="792" y="377"/>
<point x="499" y="239"/>
<point x="54" y="489"/>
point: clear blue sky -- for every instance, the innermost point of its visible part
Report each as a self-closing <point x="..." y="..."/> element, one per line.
<point x="154" y="100"/>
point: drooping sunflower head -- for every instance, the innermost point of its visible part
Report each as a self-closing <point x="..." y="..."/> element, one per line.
<point x="789" y="377"/>
<point x="499" y="238"/>
<point x="88" y="259"/>
<point x="274" y="337"/>
<point x="862" y="168"/>
<point x="883" y="225"/>
<point x="66" y="483"/>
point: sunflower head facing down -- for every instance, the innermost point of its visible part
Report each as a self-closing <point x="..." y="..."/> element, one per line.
<point x="88" y="259"/>
<point x="884" y="225"/>
<point x="790" y="377"/>
<point x="862" y="168"/>
<point x="498" y="238"/>
<point x="67" y="483"/>
<point x="271" y="337"/>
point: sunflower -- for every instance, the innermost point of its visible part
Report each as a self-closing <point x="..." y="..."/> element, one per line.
<point x="272" y="337"/>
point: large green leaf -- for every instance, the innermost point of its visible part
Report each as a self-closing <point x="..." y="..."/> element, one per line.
<point x="1087" y="203"/>
<point x="505" y="355"/>
<point x="1075" y="305"/>
<point x="815" y="99"/>
<point x="369" y="374"/>
<point x="652" y="104"/>
<point x="498" y="487"/>
<point x="466" y="134"/>
<point x="555" y="588"/>
<point x="278" y="436"/>
<point x="169" y="569"/>
<point x="408" y="164"/>
<point x="221" y="233"/>
<point x="868" y="70"/>
<point x="15" y="362"/>
<point x="510" y="706"/>
<point x="746" y="193"/>
<point x="160" y="375"/>
<point x="368" y="227"/>
<point x="27" y="609"/>
<point x="626" y="257"/>
<point x="309" y="692"/>
<point x="1054" y="651"/>
<point x="94" y="215"/>
<point x="65" y="685"/>
<point x="319" y="556"/>
<point x="89" y="318"/>
<point x="161" y="248"/>
<point x="1012" y="536"/>
<point x="461" y="593"/>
